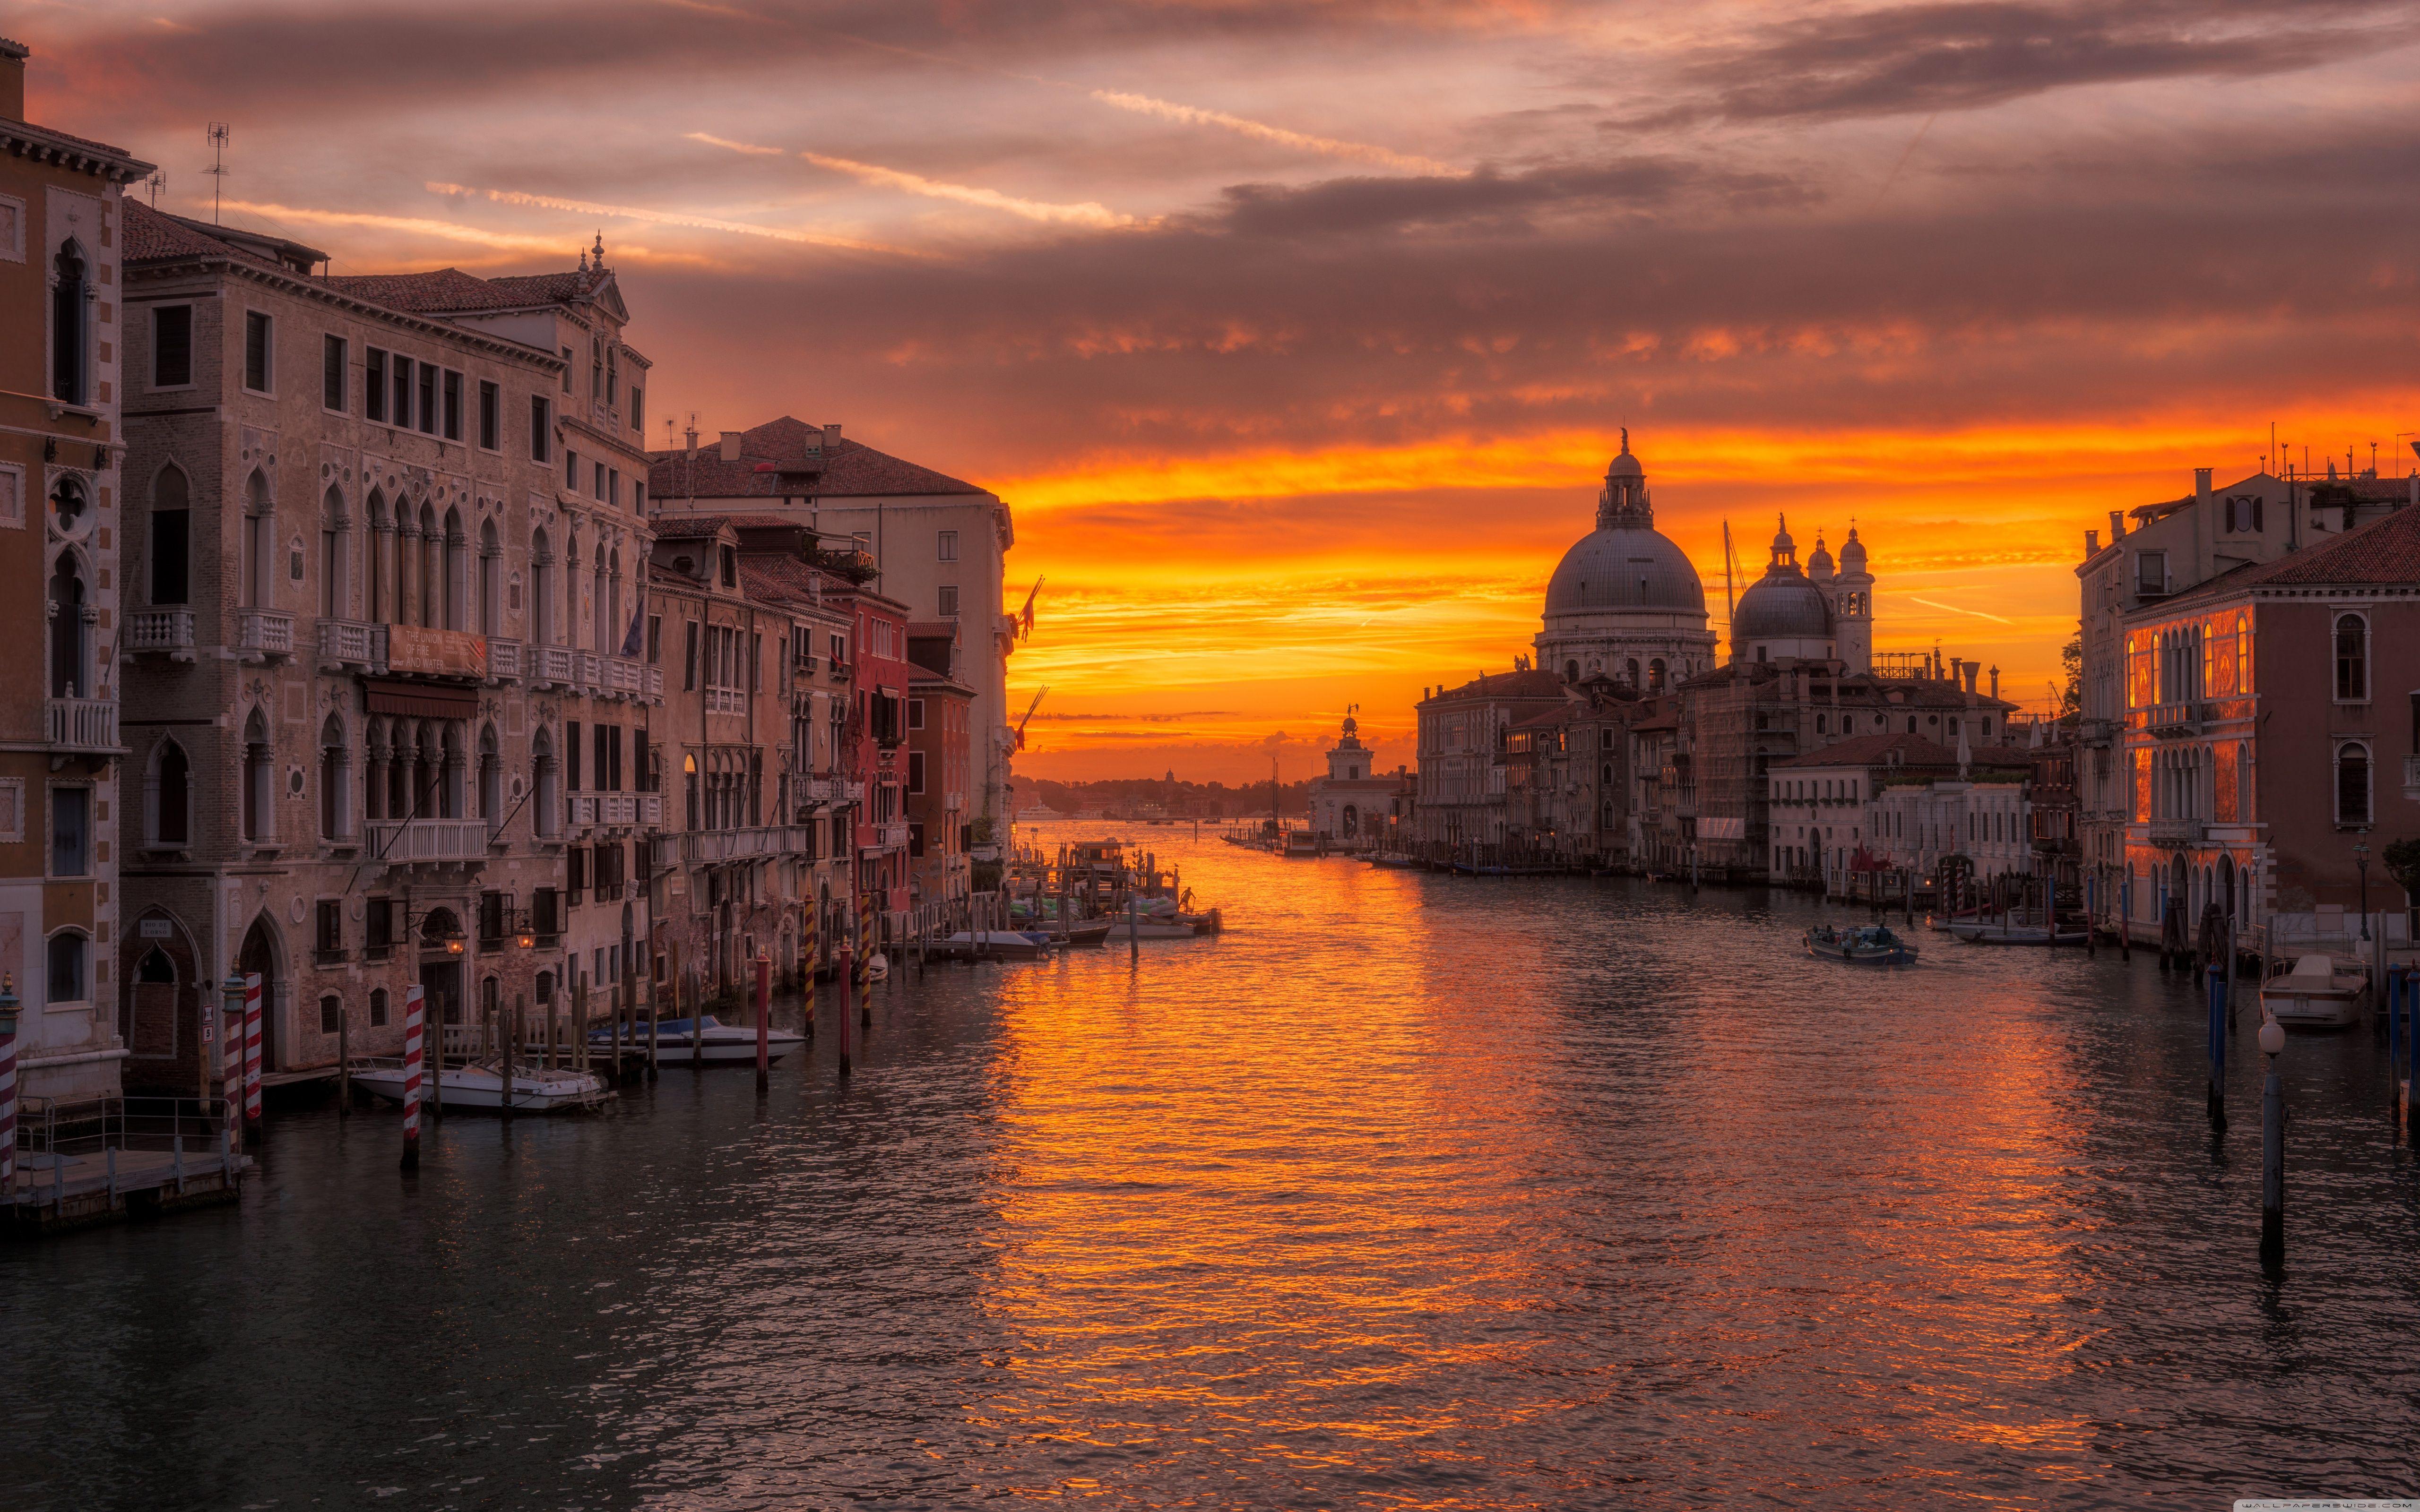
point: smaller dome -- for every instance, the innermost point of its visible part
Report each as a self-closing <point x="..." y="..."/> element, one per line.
<point x="1819" y="565"/>
<point x="1781" y="605"/>
<point x="1625" y="465"/>
<point x="1852" y="552"/>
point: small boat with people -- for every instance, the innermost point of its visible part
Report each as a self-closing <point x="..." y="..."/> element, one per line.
<point x="2317" y="991"/>
<point x="534" y="1089"/>
<point x="716" y="1042"/>
<point x="1871" y="945"/>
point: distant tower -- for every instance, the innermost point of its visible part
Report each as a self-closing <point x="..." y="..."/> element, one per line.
<point x="1852" y="603"/>
<point x="1350" y="760"/>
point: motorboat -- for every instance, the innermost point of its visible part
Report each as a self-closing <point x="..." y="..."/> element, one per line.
<point x="1872" y="945"/>
<point x="723" y="1043"/>
<point x="995" y="944"/>
<point x="536" y="1089"/>
<point x="1397" y="861"/>
<point x="1302" y="845"/>
<point x="1977" y="931"/>
<point x="1089" y="932"/>
<point x="2317" y="991"/>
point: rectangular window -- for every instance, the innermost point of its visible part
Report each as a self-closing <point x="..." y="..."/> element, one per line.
<point x="70" y="832"/>
<point x="916" y="771"/>
<point x="374" y="384"/>
<point x="332" y="1013"/>
<point x="491" y="418"/>
<point x="655" y="640"/>
<point x="756" y="664"/>
<point x="612" y="775"/>
<point x="915" y="714"/>
<point x="2151" y="573"/>
<point x="453" y="405"/>
<point x="332" y="373"/>
<point x="172" y="345"/>
<point x="688" y="676"/>
<point x="491" y="918"/>
<point x="570" y="470"/>
<point x="401" y="391"/>
<point x="567" y="370"/>
<point x="171" y="537"/>
<point x="614" y="487"/>
<point x="329" y="927"/>
<point x="604" y="763"/>
<point x="597" y="485"/>
<point x="541" y="429"/>
<point x="429" y="402"/>
<point x="378" y="1008"/>
<point x="638" y="496"/>
<point x="949" y="604"/>
<point x="576" y="873"/>
<point x="949" y="546"/>
<point x="378" y="927"/>
<point x="571" y="750"/>
<point x="638" y="409"/>
<point x="256" y="369"/>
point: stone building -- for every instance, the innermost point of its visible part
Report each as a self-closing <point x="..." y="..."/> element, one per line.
<point x="63" y="328"/>
<point x="940" y="834"/>
<point x="1568" y="777"/>
<point x="1355" y="805"/>
<point x="389" y="719"/>
<point x="1463" y="745"/>
<point x="938" y="543"/>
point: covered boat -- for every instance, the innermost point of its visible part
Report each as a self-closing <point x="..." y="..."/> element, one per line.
<point x="1871" y="945"/>
<point x="536" y="1089"/>
<point x="2317" y="991"/>
<point x="724" y="1043"/>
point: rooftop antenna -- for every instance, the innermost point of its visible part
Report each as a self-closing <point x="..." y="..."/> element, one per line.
<point x="691" y="434"/>
<point x="156" y="185"/>
<point x="1730" y="562"/>
<point x="217" y="170"/>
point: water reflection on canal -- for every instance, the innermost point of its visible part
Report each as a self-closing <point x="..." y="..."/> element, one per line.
<point x="1409" y="1192"/>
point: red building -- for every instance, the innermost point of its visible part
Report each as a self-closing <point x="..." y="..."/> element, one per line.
<point x="2271" y="740"/>
<point x="940" y="708"/>
<point x="875" y="739"/>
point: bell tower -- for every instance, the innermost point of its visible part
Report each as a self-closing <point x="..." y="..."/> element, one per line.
<point x="1852" y="606"/>
<point x="1623" y="504"/>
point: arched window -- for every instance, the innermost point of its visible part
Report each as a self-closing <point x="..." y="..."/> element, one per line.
<point x="432" y="566"/>
<point x="380" y="552"/>
<point x="259" y="553"/>
<point x="69" y="961"/>
<point x="1632" y="667"/>
<point x="2352" y="659"/>
<point x="491" y="567"/>
<point x="2352" y="783"/>
<point x="541" y="590"/>
<point x="689" y="788"/>
<point x="70" y="326"/>
<point x="546" y="806"/>
<point x="1655" y="675"/>
<point x="168" y="796"/>
<point x="491" y="779"/>
<point x="1571" y="670"/>
<point x="155" y="969"/>
<point x="456" y="575"/>
<point x="333" y="524"/>
<point x="336" y="783"/>
<point x="259" y="795"/>
<point x="453" y="777"/>
<point x="172" y="535"/>
<point x="71" y="635"/>
<point x="375" y="770"/>
<point x="378" y="1008"/>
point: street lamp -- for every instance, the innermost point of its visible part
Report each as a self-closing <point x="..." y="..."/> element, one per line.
<point x="2360" y="862"/>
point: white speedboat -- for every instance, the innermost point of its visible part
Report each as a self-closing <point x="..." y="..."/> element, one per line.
<point x="724" y="1043"/>
<point x="536" y="1089"/>
<point x="996" y="945"/>
<point x="2318" y="992"/>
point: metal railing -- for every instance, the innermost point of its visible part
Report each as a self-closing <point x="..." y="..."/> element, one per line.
<point x="83" y="724"/>
<point x="72" y="1148"/>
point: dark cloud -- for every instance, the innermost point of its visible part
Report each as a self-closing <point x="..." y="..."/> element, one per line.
<point x="1489" y="195"/>
<point x="1920" y="58"/>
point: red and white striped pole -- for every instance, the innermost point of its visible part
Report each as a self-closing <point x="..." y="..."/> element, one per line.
<point x="412" y="1059"/>
<point x="252" y="1056"/>
<point x="8" y="1088"/>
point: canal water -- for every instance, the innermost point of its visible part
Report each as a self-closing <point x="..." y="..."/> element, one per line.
<point x="1409" y="1192"/>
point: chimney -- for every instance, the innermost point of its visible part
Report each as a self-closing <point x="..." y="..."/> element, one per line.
<point x="2091" y="542"/>
<point x="731" y="446"/>
<point x="832" y="437"/>
<point x="2201" y="487"/>
<point x="2116" y="525"/>
<point x="1957" y="668"/>
<point x="1972" y="667"/>
<point x="1996" y="682"/>
<point x="12" y="79"/>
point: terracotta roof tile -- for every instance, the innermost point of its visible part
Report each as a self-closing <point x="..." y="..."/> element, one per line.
<point x="452" y="291"/>
<point x="800" y="464"/>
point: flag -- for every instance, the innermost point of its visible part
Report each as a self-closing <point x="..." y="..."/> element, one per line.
<point x="637" y="640"/>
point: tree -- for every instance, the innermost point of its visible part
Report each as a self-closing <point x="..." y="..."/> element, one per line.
<point x="2071" y="657"/>
<point x="2402" y="860"/>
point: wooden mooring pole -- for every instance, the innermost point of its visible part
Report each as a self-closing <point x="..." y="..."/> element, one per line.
<point x="505" y="1062"/>
<point x="847" y="986"/>
<point x="764" y="1023"/>
<point x="2214" y="1034"/>
<point x="2272" y="1155"/>
<point x="344" y="1066"/>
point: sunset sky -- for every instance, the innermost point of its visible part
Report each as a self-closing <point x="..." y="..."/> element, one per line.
<point x="1297" y="334"/>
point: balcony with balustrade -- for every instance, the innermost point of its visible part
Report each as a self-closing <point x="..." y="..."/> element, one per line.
<point x="2179" y="831"/>
<point x="83" y="726"/>
<point x="551" y="667"/>
<point x="352" y="645"/>
<point x="264" y="635"/>
<point x="434" y="841"/>
<point x="160" y="632"/>
<point x="622" y="678"/>
<point x="503" y="660"/>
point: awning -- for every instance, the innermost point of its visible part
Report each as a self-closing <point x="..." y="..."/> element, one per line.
<point x="420" y="701"/>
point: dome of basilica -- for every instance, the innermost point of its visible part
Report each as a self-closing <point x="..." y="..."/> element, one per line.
<point x="1781" y="605"/>
<point x="1618" y="567"/>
